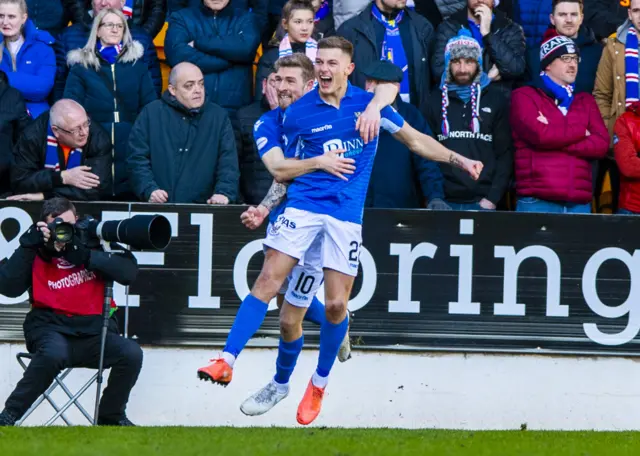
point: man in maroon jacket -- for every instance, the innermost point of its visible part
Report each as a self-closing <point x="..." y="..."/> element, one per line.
<point x="557" y="134"/>
<point x="66" y="284"/>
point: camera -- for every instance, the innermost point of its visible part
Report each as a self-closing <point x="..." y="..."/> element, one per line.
<point x="151" y="232"/>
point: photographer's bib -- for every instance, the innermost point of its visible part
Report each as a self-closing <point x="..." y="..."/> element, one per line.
<point x="67" y="289"/>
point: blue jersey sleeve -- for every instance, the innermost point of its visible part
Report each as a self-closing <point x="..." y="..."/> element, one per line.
<point x="267" y="134"/>
<point x="391" y="120"/>
<point x="291" y="136"/>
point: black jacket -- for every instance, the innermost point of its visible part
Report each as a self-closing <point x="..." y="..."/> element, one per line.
<point x="16" y="278"/>
<point x="53" y="15"/>
<point x="493" y="146"/>
<point x="255" y="179"/>
<point x="30" y="176"/>
<point x="361" y="31"/>
<point x="147" y="14"/>
<point x="94" y="89"/>
<point x="224" y="47"/>
<point x="604" y="16"/>
<point x="504" y="47"/>
<point x="13" y="120"/>
<point x="590" y="53"/>
<point x="191" y="156"/>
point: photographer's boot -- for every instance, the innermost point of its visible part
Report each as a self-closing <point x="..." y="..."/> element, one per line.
<point x="121" y="422"/>
<point x="7" y="418"/>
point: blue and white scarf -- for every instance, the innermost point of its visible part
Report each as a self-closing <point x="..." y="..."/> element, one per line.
<point x="109" y="53"/>
<point x="562" y="94"/>
<point x="52" y="160"/>
<point x="631" y="66"/>
<point x="392" y="48"/>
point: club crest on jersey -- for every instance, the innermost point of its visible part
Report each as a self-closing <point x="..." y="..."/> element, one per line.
<point x="351" y="147"/>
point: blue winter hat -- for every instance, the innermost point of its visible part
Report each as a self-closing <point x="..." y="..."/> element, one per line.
<point x="461" y="46"/>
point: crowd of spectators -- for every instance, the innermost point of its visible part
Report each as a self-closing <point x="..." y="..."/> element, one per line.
<point x="544" y="92"/>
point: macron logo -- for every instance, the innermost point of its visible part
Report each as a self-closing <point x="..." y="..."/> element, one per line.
<point x="323" y="128"/>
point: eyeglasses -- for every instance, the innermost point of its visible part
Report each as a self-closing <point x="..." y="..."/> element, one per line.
<point x="76" y="131"/>
<point x="112" y="25"/>
<point x="570" y="58"/>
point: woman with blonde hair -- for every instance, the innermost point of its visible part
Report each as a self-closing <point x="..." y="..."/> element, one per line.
<point x="27" y="56"/>
<point x="109" y="78"/>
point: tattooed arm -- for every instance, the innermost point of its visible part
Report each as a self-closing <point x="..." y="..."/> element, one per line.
<point x="429" y="148"/>
<point x="253" y="217"/>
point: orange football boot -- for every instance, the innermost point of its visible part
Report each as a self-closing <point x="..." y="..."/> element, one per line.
<point x="311" y="403"/>
<point x="219" y="372"/>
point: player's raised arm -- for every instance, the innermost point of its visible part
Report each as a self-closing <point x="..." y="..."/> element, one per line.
<point x="368" y="124"/>
<point x="253" y="217"/>
<point x="429" y="148"/>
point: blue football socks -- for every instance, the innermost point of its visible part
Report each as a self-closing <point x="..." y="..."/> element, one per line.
<point x="288" y="353"/>
<point x="248" y="320"/>
<point x="316" y="313"/>
<point x="331" y="336"/>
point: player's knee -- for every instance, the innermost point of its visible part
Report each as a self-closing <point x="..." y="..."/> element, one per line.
<point x="266" y="286"/>
<point x="335" y="309"/>
<point x="290" y="326"/>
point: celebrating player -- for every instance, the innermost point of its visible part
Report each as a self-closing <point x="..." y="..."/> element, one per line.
<point x="322" y="206"/>
<point x="295" y="76"/>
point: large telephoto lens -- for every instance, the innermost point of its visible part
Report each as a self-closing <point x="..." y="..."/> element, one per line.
<point x="150" y="232"/>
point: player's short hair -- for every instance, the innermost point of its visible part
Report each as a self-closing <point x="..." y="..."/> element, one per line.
<point x="555" y="3"/>
<point x="56" y="206"/>
<point x="337" y="42"/>
<point x="297" y="60"/>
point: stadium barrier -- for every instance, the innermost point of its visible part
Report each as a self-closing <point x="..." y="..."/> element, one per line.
<point x="452" y="281"/>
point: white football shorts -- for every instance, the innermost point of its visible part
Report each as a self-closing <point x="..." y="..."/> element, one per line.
<point x="295" y="231"/>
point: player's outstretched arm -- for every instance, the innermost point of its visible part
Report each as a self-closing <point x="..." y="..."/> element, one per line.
<point x="284" y="170"/>
<point x="429" y="148"/>
<point x="253" y="217"/>
<point x="368" y="124"/>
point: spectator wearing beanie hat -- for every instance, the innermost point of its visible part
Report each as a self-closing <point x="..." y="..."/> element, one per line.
<point x="502" y="42"/>
<point x="567" y="20"/>
<point x="471" y="117"/>
<point x="557" y="135"/>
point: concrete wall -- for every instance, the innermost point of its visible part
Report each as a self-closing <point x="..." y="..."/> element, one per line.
<point x="383" y="390"/>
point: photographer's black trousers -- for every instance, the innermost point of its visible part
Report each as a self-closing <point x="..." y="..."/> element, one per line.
<point x="54" y="351"/>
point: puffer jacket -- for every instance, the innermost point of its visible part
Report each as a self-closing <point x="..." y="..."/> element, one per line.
<point x="255" y="178"/>
<point x="605" y="16"/>
<point x="149" y="15"/>
<point x="224" y="47"/>
<point x="610" y="89"/>
<point x="626" y="148"/>
<point x="361" y="32"/>
<point x="554" y="160"/>
<point x="76" y="36"/>
<point x="590" y="54"/>
<point x="533" y="16"/>
<point x="35" y="68"/>
<point x="504" y="47"/>
<point x="190" y="155"/>
<point x="94" y="89"/>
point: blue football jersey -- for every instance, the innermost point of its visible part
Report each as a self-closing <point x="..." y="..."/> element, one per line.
<point x="267" y="133"/>
<point x="312" y="127"/>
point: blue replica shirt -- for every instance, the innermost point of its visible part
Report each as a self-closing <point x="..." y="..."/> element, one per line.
<point x="312" y="127"/>
<point x="267" y="133"/>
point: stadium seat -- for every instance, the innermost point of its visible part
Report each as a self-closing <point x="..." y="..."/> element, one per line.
<point x="59" y="381"/>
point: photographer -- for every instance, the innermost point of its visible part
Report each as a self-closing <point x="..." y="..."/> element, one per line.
<point x="66" y="284"/>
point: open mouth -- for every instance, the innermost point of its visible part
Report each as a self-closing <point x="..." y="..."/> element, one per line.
<point x="325" y="82"/>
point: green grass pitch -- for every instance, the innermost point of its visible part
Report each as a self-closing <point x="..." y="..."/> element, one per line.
<point x="176" y="441"/>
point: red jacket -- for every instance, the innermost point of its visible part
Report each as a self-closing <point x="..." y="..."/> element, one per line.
<point x="626" y="146"/>
<point x="553" y="159"/>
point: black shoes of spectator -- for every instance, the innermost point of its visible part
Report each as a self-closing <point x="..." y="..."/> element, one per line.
<point x="121" y="422"/>
<point x="7" y="418"/>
